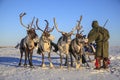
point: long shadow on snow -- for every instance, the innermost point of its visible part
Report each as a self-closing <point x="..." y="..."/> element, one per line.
<point x="8" y="61"/>
<point x="12" y="61"/>
<point x="45" y="59"/>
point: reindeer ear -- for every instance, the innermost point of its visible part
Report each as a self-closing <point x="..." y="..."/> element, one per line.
<point x="63" y="33"/>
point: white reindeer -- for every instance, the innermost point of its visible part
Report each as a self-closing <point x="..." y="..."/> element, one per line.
<point x="45" y="43"/>
<point x="63" y="44"/>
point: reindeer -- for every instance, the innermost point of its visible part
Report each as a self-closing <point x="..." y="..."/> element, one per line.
<point x="45" y="43"/>
<point x="63" y="44"/>
<point x="29" y="42"/>
<point x="77" y="47"/>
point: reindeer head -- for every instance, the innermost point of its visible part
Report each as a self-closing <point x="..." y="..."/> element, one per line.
<point x="79" y="38"/>
<point x="30" y="31"/>
<point x="79" y="35"/>
<point x="66" y="36"/>
<point x="46" y="36"/>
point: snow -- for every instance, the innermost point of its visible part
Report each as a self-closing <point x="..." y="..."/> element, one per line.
<point x="9" y="58"/>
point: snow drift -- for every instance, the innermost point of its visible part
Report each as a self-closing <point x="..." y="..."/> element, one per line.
<point x="9" y="58"/>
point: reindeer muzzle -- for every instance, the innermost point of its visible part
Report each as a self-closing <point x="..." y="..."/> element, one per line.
<point x="51" y="37"/>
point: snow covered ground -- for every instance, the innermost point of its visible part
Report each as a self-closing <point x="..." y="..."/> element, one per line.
<point x="9" y="58"/>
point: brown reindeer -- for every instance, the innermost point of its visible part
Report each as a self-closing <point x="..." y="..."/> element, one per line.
<point x="29" y="42"/>
<point x="77" y="47"/>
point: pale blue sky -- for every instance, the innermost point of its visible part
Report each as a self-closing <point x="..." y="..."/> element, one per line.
<point x="67" y="12"/>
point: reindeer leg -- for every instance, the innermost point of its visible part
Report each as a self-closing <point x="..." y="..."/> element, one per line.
<point x="67" y="57"/>
<point x="60" y="60"/>
<point x="43" y="64"/>
<point x="71" y="59"/>
<point x="74" y="55"/>
<point x="76" y="60"/>
<point x="89" y="58"/>
<point x="21" y="52"/>
<point x="26" y="55"/>
<point x="65" y="61"/>
<point x="51" y="65"/>
<point x="30" y="60"/>
<point x="77" y="63"/>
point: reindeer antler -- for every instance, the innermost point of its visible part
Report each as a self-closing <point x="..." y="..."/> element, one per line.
<point x="29" y="25"/>
<point x="46" y="28"/>
<point x="81" y="31"/>
<point x="73" y="30"/>
<point x="56" y="26"/>
<point x="32" y="22"/>
<point x="38" y="26"/>
<point x="51" y="30"/>
<point x="78" y="26"/>
<point x="21" y="15"/>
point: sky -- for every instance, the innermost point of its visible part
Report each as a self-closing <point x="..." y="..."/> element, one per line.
<point x="66" y="12"/>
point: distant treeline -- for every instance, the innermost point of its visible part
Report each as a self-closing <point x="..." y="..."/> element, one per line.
<point x="6" y="46"/>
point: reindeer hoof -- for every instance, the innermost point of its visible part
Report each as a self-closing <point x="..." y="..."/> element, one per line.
<point x="43" y="65"/>
<point x="51" y="65"/>
<point x="30" y="64"/>
<point x="19" y="64"/>
<point x="77" y="66"/>
<point x="61" y="67"/>
<point x="65" y="64"/>
<point x="25" y="65"/>
<point x="68" y="67"/>
<point x="32" y="67"/>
